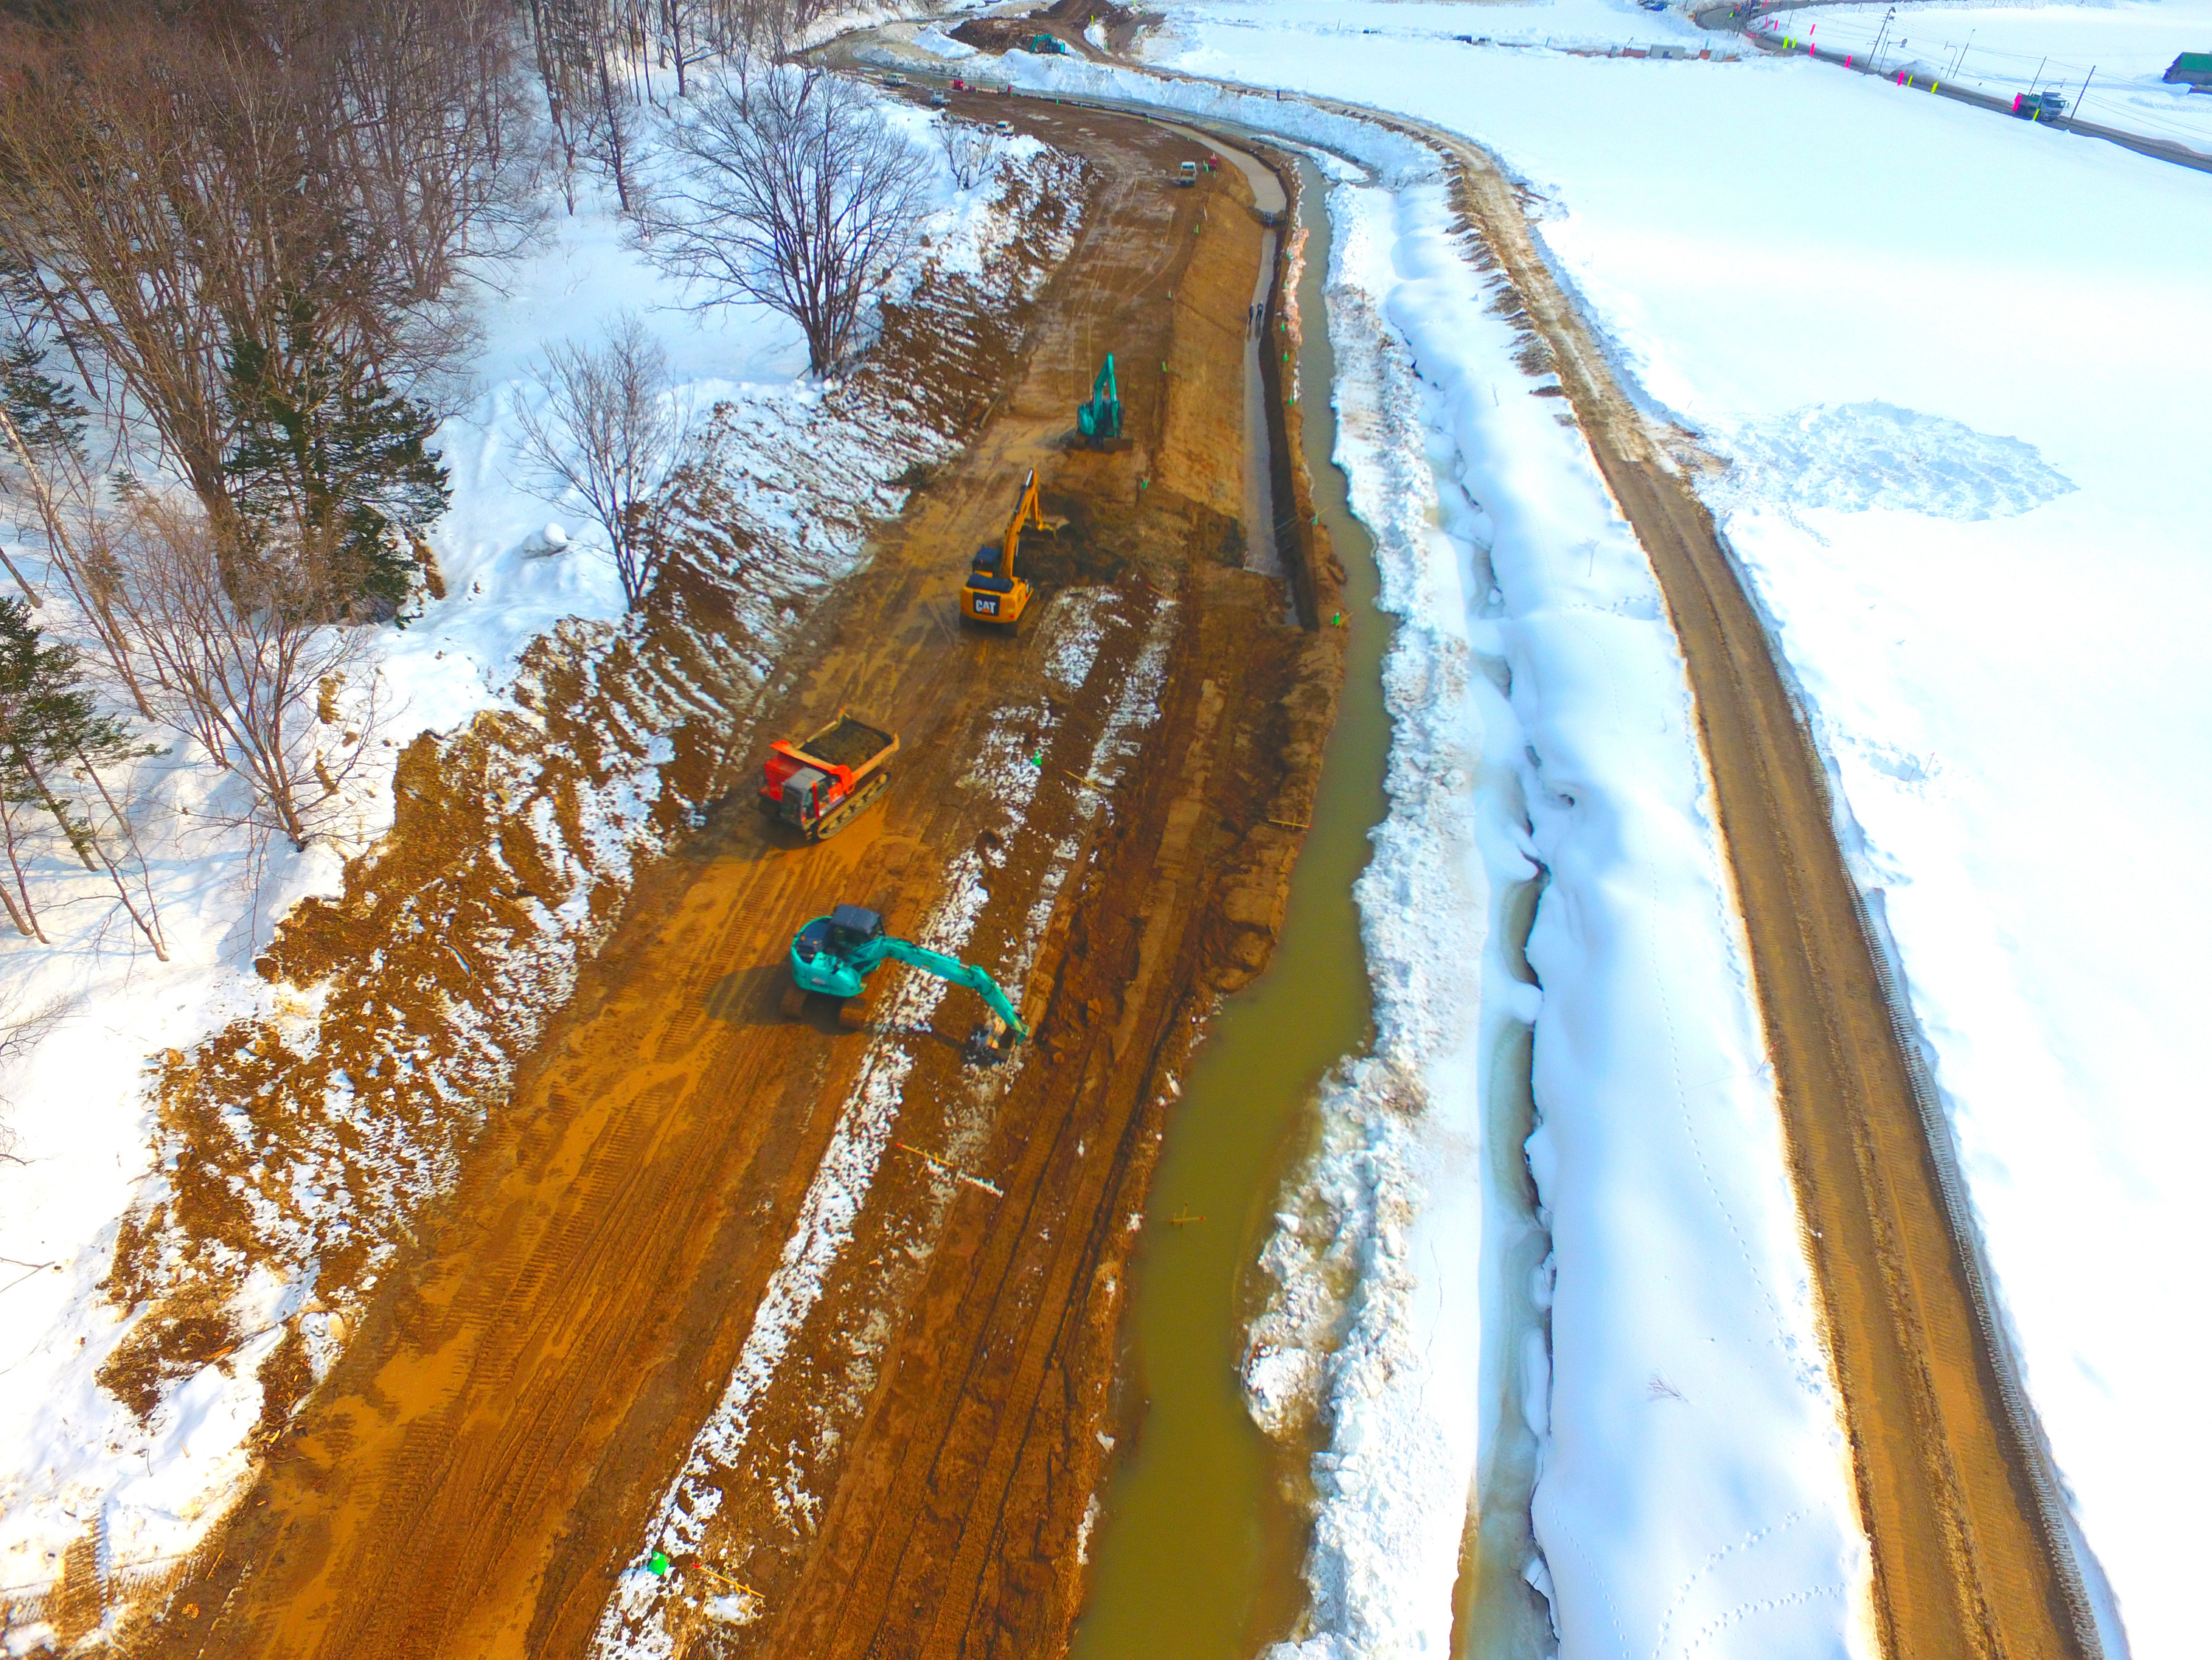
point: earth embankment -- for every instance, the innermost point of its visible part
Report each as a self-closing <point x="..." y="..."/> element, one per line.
<point x="1109" y="794"/>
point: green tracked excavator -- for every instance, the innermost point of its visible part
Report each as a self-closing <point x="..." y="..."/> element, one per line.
<point x="1099" y="420"/>
<point x="833" y="957"/>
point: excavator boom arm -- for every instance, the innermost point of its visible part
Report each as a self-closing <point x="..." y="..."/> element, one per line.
<point x="960" y="974"/>
<point x="1029" y="511"/>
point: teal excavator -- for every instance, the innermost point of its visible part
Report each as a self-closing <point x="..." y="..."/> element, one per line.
<point x="1099" y="421"/>
<point x="833" y="956"/>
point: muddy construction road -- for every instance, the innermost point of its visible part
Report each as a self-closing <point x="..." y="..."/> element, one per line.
<point x="909" y="1266"/>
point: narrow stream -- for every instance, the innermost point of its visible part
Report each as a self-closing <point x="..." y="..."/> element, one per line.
<point x="1198" y="1551"/>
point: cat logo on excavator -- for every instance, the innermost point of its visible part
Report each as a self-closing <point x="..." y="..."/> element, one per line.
<point x="995" y="591"/>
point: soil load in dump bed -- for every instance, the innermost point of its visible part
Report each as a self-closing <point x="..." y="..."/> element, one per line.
<point x="848" y="743"/>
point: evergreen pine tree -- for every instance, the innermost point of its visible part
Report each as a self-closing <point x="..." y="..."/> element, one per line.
<point x="44" y="408"/>
<point x="324" y="447"/>
<point x="49" y="724"/>
<point x="54" y="742"/>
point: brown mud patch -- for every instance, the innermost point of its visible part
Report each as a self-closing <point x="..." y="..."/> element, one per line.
<point x="323" y="1140"/>
<point x="546" y="1336"/>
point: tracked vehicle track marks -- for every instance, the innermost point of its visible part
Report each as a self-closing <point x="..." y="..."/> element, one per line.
<point x="480" y="1465"/>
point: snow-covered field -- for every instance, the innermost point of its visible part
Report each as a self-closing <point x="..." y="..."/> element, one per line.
<point x="1949" y="354"/>
<point x="74" y="1463"/>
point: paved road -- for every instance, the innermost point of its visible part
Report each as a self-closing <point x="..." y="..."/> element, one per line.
<point x="1730" y="18"/>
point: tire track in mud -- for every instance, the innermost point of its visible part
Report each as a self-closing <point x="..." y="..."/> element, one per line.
<point x="475" y="1474"/>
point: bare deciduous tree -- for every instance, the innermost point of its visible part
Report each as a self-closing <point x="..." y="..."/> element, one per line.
<point x="43" y="456"/>
<point x="22" y="1028"/>
<point x="799" y="198"/>
<point x="175" y="181"/>
<point x="970" y="150"/>
<point x="239" y="640"/>
<point x="611" y="431"/>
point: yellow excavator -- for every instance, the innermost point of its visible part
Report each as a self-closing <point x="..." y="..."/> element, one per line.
<point x="994" y="591"/>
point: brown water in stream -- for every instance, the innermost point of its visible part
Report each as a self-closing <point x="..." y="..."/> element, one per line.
<point x="1198" y="1547"/>
<point x="1198" y="1551"/>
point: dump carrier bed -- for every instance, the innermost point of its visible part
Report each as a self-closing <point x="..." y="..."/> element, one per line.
<point x="854" y="746"/>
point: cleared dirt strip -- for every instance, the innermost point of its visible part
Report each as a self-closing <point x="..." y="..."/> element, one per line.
<point x="483" y="1464"/>
<point x="1971" y="1552"/>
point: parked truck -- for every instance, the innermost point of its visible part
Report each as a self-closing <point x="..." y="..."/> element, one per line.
<point x="820" y="784"/>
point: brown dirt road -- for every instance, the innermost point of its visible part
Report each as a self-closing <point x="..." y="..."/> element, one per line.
<point x="484" y="1460"/>
<point x="1971" y="1557"/>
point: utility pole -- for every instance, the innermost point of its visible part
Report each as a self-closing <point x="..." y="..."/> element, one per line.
<point x="1874" y="57"/>
<point x="2038" y="81"/>
<point x="2075" y="119"/>
<point x="1961" y="58"/>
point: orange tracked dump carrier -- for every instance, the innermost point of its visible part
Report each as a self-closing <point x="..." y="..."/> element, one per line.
<point x="820" y="784"/>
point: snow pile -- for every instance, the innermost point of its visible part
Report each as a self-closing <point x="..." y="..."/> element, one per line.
<point x="1692" y="1491"/>
<point x="1856" y="457"/>
<point x="795" y="470"/>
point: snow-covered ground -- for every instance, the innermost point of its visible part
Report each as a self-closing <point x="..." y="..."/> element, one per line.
<point x="74" y="1463"/>
<point x="2119" y="52"/>
<point x="1693" y="1489"/>
<point x="1949" y="354"/>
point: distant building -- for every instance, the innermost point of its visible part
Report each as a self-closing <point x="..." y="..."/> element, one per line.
<point x="2192" y="70"/>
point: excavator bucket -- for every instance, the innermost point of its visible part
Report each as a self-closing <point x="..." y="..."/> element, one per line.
<point x="989" y="1043"/>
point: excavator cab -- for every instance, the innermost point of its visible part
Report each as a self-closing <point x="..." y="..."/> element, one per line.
<point x="995" y="591"/>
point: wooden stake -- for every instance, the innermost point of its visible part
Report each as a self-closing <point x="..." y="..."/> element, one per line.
<point x="950" y="1170"/>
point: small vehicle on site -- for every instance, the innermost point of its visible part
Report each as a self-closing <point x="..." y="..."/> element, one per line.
<point x="833" y="957"/>
<point x="1003" y="128"/>
<point x="938" y="99"/>
<point x="893" y="80"/>
<point x="1187" y="173"/>
<point x="822" y="784"/>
